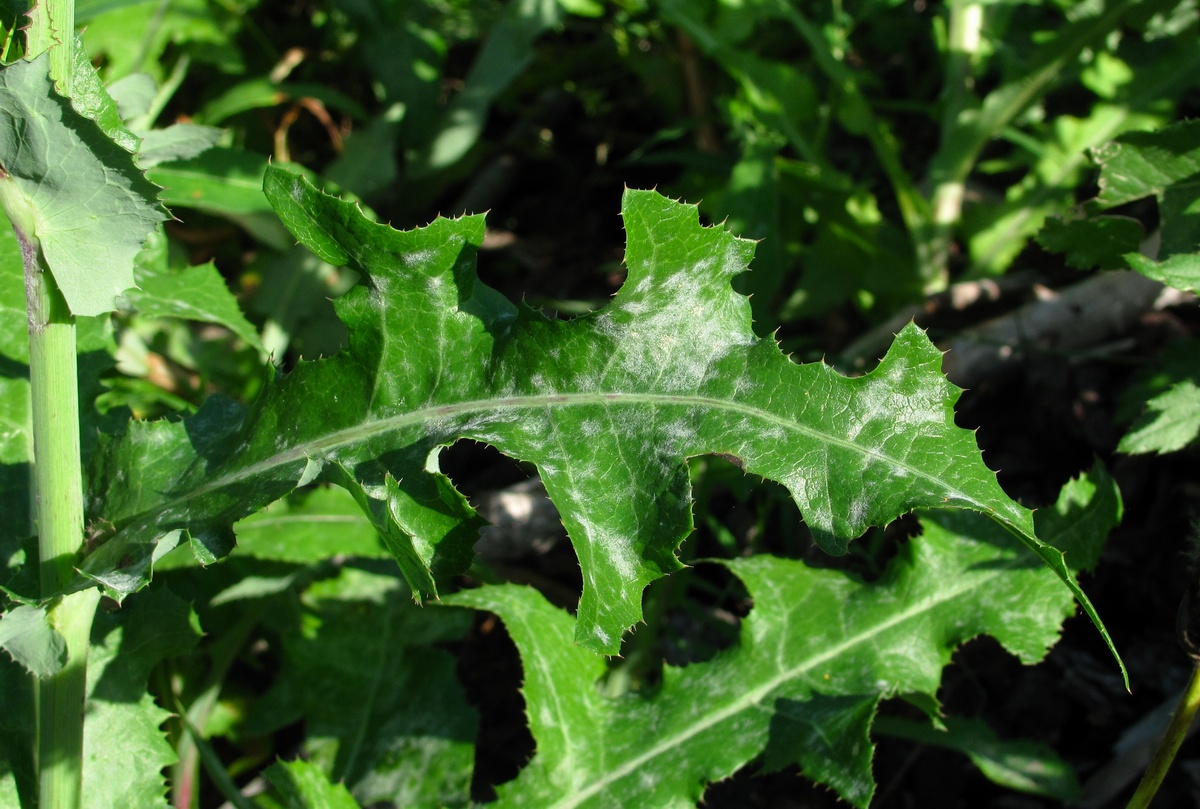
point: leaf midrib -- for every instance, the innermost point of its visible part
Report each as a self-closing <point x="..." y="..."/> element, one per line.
<point x="367" y="429"/>
<point x="368" y="705"/>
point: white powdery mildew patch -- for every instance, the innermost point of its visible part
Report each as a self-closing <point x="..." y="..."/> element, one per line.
<point x="604" y="323"/>
<point x="482" y="423"/>
<point x="796" y="483"/>
<point x="901" y="413"/>
<point x="734" y="259"/>
<point x="745" y="426"/>
<point x="600" y="635"/>
<point x="719" y="690"/>
<point x="679" y="328"/>
<point x="401" y="368"/>
<point x="858" y="511"/>
<point x="670" y="354"/>
<point x="912" y="408"/>
<point x="538" y="423"/>
<point x="622" y="556"/>
<point x="501" y="415"/>
<point x="417" y="258"/>
<point x="774" y="434"/>
<point x="506" y="391"/>
<point x="915" y="413"/>
<point x="375" y="293"/>
<point x="618" y="550"/>
<point x="679" y="434"/>
<point x="647" y="781"/>
<point x="856" y="425"/>
<point x="437" y="425"/>
<point x="624" y="423"/>
<point x="811" y="495"/>
<point x="588" y="381"/>
<point x="744" y="386"/>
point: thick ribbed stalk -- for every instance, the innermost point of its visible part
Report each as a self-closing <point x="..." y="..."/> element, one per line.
<point x="59" y="491"/>
<point x="58" y="478"/>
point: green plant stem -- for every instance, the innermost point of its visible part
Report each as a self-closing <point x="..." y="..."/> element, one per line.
<point x="58" y="477"/>
<point x="967" y="130"/>
<point x="961" y="146"/>
<point x="55" y="400"/>
<point x="58" y="482"/>
<point x="165" y="93"/>
<point x="185" y="775"/>
<point x="60" y="705"/>
<point x="914" y="209"/>
<point x="965" y="34"/>
<point x="216" y="769"/>
<point x="962" y="50"/>
<point x="1176" y="732"/>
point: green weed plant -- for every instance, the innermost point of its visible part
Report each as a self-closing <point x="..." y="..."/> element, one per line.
<point x="143" y="556"/>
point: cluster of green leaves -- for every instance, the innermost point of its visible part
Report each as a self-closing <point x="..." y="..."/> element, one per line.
<point x="1164" y="166"/>
<point x="314" y="497"/>
<point x="939" y="158"/>
<point x="608" y="406"/>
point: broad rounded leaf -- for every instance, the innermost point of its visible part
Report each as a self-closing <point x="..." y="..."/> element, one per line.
<point x="65" y="184"/>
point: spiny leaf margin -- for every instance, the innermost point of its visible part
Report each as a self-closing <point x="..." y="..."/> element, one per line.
<point x="608" y="406"/>
<point x="817" y="654"/>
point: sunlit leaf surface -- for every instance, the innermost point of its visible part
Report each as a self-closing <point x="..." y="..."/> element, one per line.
<point x="608" y="406"/>
<point x="64" y="184"/>
<point x="817" y="653"/>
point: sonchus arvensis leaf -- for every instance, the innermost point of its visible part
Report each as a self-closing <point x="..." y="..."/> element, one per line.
<point x="609" y="406"/>
<point x="818" y="652"/>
